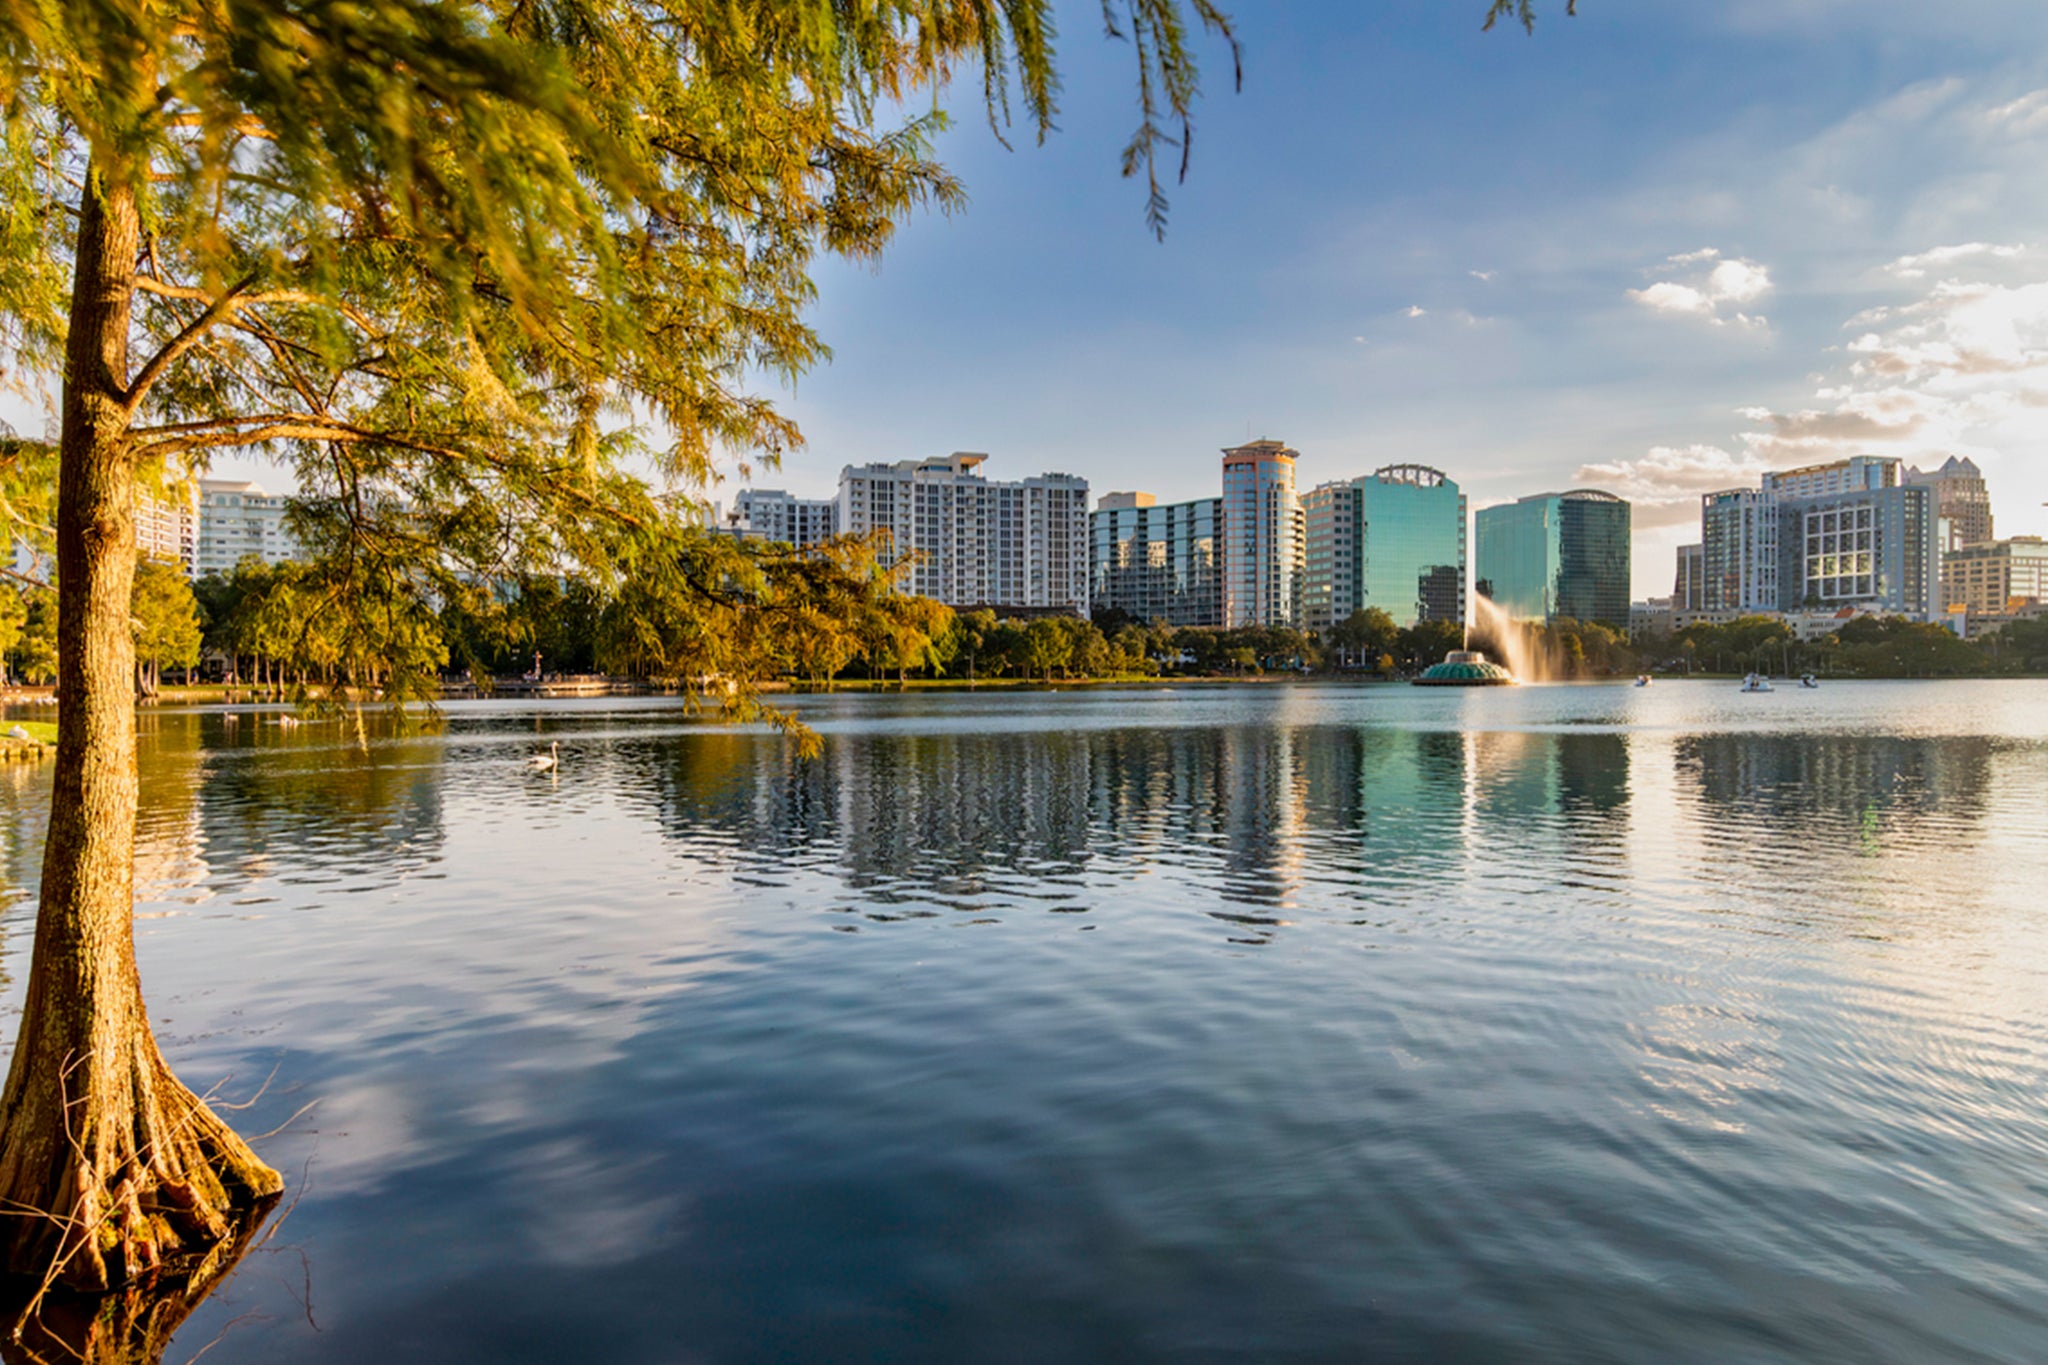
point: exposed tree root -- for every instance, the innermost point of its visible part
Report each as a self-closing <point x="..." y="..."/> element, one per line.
<point x="108" y="1173"/>
<point x="45" y="1325"/>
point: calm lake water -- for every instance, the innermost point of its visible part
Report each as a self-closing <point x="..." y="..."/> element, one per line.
<point x="1258" y="1023"/>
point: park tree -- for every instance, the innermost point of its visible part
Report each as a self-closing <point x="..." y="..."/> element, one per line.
<point x="164" y="616"/>
<point x="1369" y="633"/>
<point x="1427" y="642"/>
<point x="35" y="652"/>
<point x="439" y="256"/>
<point x="13" y="616"/>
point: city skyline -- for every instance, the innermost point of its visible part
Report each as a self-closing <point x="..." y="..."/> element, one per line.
<point x="1622" y="254"/>
<point x="1655" y="251"/>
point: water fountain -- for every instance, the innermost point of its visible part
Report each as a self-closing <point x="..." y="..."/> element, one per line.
<point x="1465" y="668"/>
<point x="1471" y="667"/>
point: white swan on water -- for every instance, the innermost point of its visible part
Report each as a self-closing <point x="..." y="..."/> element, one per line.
<point x="541" y="763"/>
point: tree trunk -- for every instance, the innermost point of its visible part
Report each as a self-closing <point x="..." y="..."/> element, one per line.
<point x="112" y="1163"/>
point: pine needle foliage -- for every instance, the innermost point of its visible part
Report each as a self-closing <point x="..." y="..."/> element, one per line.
<point x="454" y="260"/>
<point x="1521" y="12"/>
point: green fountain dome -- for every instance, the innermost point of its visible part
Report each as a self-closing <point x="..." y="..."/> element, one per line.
<point x="1465" y="668"/>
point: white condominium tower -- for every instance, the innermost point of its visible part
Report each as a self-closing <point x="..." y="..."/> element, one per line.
<point x="237" y="521"/>
<point x="167" y="529"/>
<point x="1262" y="536"/>
<point x="978" y="542"/>
<point x="772" y="514"/>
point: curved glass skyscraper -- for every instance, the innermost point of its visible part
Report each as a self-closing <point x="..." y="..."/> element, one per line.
<point x="1556" y="554"/>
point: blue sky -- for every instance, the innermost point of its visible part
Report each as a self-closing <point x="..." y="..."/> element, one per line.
<point x="1656" y="248"/>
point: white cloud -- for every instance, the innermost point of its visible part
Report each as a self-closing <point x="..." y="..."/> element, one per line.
<point x="2027" y="114"/>
<point x="1960" y="370"/>
<point x="1483" y="276"/>
<point x="1665" y="484"/>
<point x="1416" y="310"/>
<point x="1706" y="294"/>
<point x="1915" y="267"/>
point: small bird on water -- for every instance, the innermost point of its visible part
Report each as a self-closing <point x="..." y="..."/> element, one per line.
<point x="541" y="763"/>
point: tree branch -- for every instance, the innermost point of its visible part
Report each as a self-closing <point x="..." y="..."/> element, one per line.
<point x="191" y="335"/>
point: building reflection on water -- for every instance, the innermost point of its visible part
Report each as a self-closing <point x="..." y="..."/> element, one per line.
<point x="1262" y="822"/>
<point x="1272" y="820"/>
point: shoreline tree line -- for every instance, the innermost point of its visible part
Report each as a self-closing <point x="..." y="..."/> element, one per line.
<point x="837" y="614"/>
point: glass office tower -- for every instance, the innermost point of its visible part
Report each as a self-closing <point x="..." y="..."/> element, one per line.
<point x="1393" y="540"/>
<point x="1557" y="554"/>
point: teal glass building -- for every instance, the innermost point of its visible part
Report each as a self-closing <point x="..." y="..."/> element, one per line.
<point x="1393" y="540"/>
<point x="1556" y="554"/>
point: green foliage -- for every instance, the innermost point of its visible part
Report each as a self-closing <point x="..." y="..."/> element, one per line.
<point x="28" y="491"/>
<point x="13" y="616"/>
<point x="2022" y="645"/>
<point x="1893" y="647"/>
<point x="164" y="618"/>
<point x="441" y="255"/>
<point x="356" y="633"/>
<point x="1366" y="635"/>
<point x="34" y="657"/>
<point x="1425" y="643"/>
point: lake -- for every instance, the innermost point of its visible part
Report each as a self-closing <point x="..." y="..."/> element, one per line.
<point x="1198" y="1023"/>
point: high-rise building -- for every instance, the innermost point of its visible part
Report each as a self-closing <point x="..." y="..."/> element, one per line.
<point x="1852" y="533"/>
<point x="1262" y="536"/>
<point x="1394" y="539"/>
<point x="1687" y="589"/>
<point x="976" y="541"/>
<point x="1157" y="563"/>
<point x="1849" y="532"/>
<point x="1874" y="548"/>
<point x="1739" y="550"/>
<point x="237" y="521"/>
<point x="1554" y="555"/>
<point x="1994" y="577"/>
<point x="772" y="514"/>
<point x="1962" y="501"/>
<point x="167" y="529"/>
<point x="1856" y="474"/>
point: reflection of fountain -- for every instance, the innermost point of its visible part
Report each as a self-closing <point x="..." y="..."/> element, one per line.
<point x="1509" y="639"/>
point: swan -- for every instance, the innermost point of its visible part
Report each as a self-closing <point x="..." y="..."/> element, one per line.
<point x="541" y="763"/>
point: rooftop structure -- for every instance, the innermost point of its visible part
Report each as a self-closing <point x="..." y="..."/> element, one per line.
<point x="1962" y="501"/>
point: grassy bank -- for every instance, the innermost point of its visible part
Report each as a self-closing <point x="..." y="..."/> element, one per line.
<point x="40" y="743"/>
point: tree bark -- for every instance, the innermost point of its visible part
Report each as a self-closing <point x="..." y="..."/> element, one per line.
<point x="108" y="1165"/>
